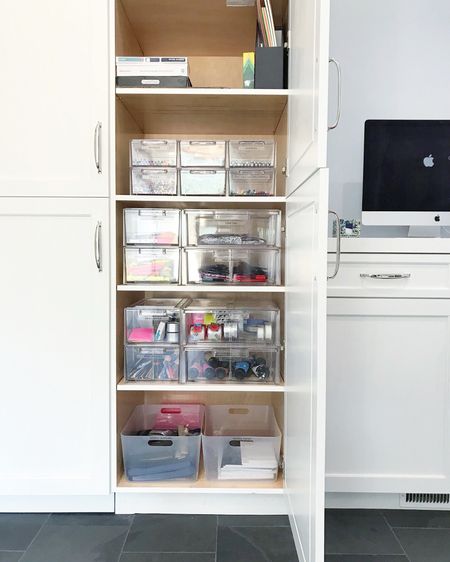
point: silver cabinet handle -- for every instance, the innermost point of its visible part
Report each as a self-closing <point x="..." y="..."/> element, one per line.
<point x="385" y="275"/>
<point x="98" y="247"/>
<point x="98" y="147"/>
<point x="337" y="265"/>
<point x="339" y="94"/>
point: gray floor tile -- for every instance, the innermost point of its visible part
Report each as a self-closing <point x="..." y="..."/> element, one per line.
<point x="168" y="557"/>
<point x="172" y="533"/>
<point x="358" y="531"/>
<point x="253" y="521"/>
<point x="365" y="558"/>
<point x="79" y="538"/>
<point x="10" y="556"/>
<point x="255" y="544"/>
<point x="17" y="530"/>
<point x="418" y="518"/>
<point x="425" y="545"/>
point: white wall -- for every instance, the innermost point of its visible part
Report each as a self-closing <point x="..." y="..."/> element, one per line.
<point x="395" y="57"/>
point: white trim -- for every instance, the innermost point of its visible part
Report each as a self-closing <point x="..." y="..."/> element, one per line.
<point x="391" y="245"/>
<point x="57" y="503"/>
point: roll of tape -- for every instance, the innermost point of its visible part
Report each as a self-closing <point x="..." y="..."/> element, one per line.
<point x="260" y="333"/>
<point x="214" y="332"/>
<point x="230" y="330"/>
<point x="268" y="332"/>
<point x="172" y="337"/>
<point x="173" y="327"/>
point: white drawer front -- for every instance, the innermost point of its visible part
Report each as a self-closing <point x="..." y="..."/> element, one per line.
<point x="390" y="275"/>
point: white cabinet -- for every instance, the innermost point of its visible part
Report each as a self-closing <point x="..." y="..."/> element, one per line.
<point x="54" y="334"/>
<point x="305" y="328"/>
<point x="388" y="381"/>
<point x="54" y="110"/>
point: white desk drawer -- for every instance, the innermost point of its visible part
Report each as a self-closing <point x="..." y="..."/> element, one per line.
<point x="390" y="275"/>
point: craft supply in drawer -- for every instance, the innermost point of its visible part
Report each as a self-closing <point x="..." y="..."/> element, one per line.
<point x="153" y="321"/>
<point x="251" y="153"/>
<point x="153" y="152"/>
<point x="241" y="442"/>
<point x="214" y="364"/>
<point x="196" y="153"/>
<point x="202" y="182"/>
<point x="228" y="227"/>
<point x="151" y="265"/>
<point x="223" y="321"/>
<point x="232" y="266"/>
<point x="150" y="363"/>
<point x="162" y="442"/>
<point x="155" y="227"/>
<point x="153" y="181"/>
<point x="251" y="183"/>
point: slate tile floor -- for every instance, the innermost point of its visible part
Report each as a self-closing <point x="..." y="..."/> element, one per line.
<point x="351" y="536"/>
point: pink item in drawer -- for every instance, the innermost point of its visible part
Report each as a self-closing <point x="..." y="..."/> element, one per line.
<point x="141" y="335"/>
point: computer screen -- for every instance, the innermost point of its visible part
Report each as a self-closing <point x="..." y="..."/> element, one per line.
<point x="406" y="166"/>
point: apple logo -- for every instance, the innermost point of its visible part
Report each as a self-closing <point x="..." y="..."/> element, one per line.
<point x="428" y="161"/>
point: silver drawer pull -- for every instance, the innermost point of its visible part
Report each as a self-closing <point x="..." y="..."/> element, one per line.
<point x="98" y="247"/>
<point x="385" y="275"/>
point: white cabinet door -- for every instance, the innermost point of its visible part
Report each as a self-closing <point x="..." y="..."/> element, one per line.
<point x="388" y="395"/>
<point x="55" y="72"/>
<point x="308" y="89"/>
<point x="54" y="402"/>
<point x="306" y="253"/>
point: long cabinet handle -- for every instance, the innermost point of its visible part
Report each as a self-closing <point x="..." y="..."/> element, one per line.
<point x="385" y="275"/>
<point x="98" y="247"/>
<point x="98" y="147"/>
<point x="337" y="265"/>
<point x="339" y="94"/>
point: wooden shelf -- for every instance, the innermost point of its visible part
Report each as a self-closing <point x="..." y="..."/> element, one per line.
<point x="197" y="199"/>
<point x="205" y="111"/>
<point x="201" y="288"/>
<point x="123" y="385"/>
<point x="202" y="486"/>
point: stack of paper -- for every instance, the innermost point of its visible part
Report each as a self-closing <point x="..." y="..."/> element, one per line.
<point x="152" y="71"/>
<point x="266" y="23"/>
<point x="249" y="461"/>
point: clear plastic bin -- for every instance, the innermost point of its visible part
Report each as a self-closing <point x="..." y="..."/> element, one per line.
<point x="151" y="265"/>
<point x="156" y="227"/>
<point x="232" y="364"/>
<point x="213" y="321"/>
<point x="233" y="266"/>
<point x="202" y="182"/>
<point x="252" y="183"/>
<point x="153" y="152"/>
<point x="153" y="450"/>
<point x="198" y="153"/>
<point x="153" y="181"/>
<point x="154" y="321"/>
<point x="151" y="363"/>
<point x="241" y="443"/>
<point x="233" y="227"/>
<point x="251" y="153"/>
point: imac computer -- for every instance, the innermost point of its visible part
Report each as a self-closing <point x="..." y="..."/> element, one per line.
<point x="407" y="174"/>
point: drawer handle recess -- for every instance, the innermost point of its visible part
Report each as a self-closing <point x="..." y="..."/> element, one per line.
<point x="385" y="275"/>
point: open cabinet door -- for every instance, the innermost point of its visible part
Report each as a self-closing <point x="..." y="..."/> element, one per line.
<point x="308" y="89"/>
<point x="305" y="329"/>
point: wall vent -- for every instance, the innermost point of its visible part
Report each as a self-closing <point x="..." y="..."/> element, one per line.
<point x="425" y="500"/>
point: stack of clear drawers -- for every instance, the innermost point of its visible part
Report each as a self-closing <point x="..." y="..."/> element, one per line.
<point x="252" y="167"/>
<point x="202" y="167"/>
<point x="238" y="247"/>
<point x="153" y="167"/>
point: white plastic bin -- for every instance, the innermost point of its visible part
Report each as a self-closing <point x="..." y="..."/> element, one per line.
<point x="151" y="445"/>
<point x="153" y="152"/>
<point x="241" y="442"/>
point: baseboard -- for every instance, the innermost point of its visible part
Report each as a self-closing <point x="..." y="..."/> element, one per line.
<point x="57" y="504"/>
<point x="335" y="500"/>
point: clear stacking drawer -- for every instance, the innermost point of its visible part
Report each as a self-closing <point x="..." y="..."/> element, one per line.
<point x="152" y="363"/>
<point x="202" y="153"/>
<point x="251" y="153"/>
<point x="153" y="321"/>
<point x="153" y="181"/>
<point x="235" y="266"/>
<point x="241" y="442"/>
<point x="151" y="265"/>
<point x="152" y="447"/>
<point x="156" y="227"/>
<point x="233" y="227"/>
<point x="212" y="321"/>
<point x="237" y="364"/>
<point x="202" y="182"/>
<point x="153" y="152"/>
<point x="252" y="183"/>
